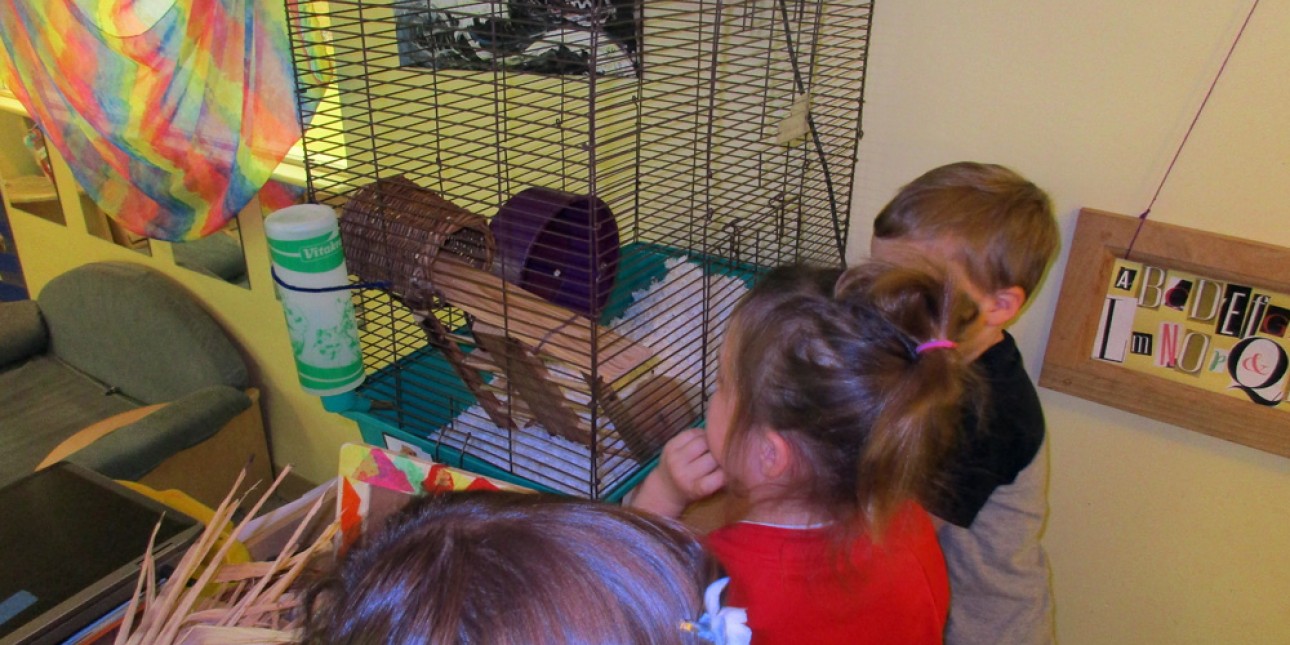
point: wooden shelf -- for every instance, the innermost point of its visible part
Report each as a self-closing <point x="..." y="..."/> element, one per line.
<point x="30" y="188"/>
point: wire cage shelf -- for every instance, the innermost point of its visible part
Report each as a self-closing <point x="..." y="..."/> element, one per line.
<point x="566" y="198"/>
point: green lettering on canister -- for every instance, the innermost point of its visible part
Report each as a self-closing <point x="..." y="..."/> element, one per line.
<point x="310" y="255"/>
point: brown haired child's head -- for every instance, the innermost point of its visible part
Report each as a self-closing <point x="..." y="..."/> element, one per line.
<point x="514" y="568"/>
<point x="993" y="226"/>
<point x="827" y="397"/>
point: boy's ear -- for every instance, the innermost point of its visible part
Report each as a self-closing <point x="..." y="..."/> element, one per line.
<point x="1003" y="305"/>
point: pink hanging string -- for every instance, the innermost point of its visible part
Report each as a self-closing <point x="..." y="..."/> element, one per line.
<point x="1142" y="218"/>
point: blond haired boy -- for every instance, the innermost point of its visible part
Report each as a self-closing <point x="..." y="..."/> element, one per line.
<point x="996" y="234"/>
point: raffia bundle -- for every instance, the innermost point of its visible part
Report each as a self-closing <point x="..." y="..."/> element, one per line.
<point x="207" y="600"/>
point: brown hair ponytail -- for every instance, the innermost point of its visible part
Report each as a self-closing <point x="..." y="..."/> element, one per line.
<point x="923" y="400"/>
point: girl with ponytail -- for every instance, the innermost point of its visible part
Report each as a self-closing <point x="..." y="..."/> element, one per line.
<point x="835" y="401"/>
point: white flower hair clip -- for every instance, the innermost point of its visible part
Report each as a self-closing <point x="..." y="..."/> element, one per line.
<point x="720" y="625"/>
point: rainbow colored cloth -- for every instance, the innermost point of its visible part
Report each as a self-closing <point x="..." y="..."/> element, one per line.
<point x="172" y="115"/>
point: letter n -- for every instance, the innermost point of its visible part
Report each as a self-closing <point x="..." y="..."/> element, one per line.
<point x="1170" y="337"/>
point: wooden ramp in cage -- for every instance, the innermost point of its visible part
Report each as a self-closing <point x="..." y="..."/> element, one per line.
<point x="518" y="332"/>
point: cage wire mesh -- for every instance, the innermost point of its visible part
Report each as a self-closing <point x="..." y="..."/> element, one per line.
<point x="565" y="199"/>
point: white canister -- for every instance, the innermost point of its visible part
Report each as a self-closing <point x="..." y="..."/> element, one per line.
<point x="304" y="244"/>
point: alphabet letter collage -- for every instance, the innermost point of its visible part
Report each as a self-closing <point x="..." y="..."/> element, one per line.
<point x="1220" y="336"/>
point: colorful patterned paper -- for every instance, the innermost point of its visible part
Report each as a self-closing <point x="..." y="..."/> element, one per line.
<point x="375" y="482"/>
<point x="172" y="115"/>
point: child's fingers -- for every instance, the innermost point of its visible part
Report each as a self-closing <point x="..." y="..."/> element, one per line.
<point x="687" y="441"/>
<point x="709" y="483"/>
<point x="702" y="463"/>
<point x="691" y="461"/>
<point x="700" y="477"/>
<point x="690" y="467"/>
<point x="693" y="445"/>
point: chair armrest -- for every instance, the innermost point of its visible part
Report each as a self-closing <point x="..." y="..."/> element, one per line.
<point x="134" y="450"/>
<point x="22" y="331"/>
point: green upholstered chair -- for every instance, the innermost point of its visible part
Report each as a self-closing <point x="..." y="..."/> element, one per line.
<point x="99" y="343"/>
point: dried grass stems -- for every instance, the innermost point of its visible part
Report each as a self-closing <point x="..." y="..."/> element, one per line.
<point x="251" y="604"/>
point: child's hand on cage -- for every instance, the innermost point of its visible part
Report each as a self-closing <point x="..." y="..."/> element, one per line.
<point x="686" y="472"/>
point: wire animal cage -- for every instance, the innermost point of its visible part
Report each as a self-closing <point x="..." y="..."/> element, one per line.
<point x="566" y="198"/>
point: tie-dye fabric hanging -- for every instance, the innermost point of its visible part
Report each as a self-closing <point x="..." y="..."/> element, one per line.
<point x="172" y="115"/>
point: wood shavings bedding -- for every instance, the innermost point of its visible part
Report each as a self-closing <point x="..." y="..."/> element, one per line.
<point x="669" y="317"/>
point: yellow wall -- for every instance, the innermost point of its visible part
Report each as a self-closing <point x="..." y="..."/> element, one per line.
<point x="1156" y="534"/>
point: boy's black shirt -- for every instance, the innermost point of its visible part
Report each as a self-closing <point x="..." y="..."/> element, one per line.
<point x="991" y="450"/>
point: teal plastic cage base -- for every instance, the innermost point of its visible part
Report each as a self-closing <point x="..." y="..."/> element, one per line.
<point x="377" y="432"/>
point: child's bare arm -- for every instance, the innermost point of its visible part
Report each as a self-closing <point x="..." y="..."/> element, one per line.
<point x="686" y="472"/>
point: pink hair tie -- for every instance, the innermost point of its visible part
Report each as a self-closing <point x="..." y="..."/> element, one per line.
<point x="935" y="344"/>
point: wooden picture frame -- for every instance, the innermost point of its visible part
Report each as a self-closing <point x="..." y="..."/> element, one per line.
<point x="1100" y="239"/>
